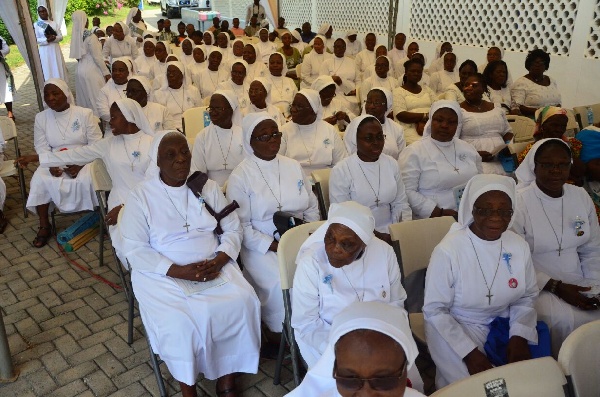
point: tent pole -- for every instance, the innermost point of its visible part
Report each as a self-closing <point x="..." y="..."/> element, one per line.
<point x="34" y="57"/>
<point x="7" y="372"/>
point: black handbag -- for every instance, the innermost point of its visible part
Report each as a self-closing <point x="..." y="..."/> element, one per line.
<point x="284" y="221"/>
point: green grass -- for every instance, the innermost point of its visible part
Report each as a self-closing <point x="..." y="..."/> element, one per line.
<point x="15" y="59"/>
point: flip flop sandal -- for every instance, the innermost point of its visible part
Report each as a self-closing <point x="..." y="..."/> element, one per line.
<point x="39" y="241"/>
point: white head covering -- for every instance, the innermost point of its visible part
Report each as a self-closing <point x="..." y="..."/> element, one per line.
<point x="181" y="45"/>
<point x="314" y="100"/>
<point x="79" y="19"/>
<point x="42" y="3"/>
<point x="380" y="317"/>
<point x="438" y="49"/>
<point x="390" y="65"/>
<point x="212" y="36"/>
<point x="478" y="185"/>
<point x="312" y="44"/>
<point x="167" y="46"/>
<point x="124" y="26"/>
<point x="296" y="35"/>
<point x="351" y="32"/>
<point x="64" y="87"/>
<point x="153" y="169"/>
<point x="352" y="130"/>
<point x="233" y="56"/>
<point x="240" y="61"/>
<point x="285" y="68"/>
<point x="128" y="64"/>
<point x="249" y="123"/>
<point x="266" y="83"/>
<point x="322" y="82"/>
<point x="227" y="37"/>
<point x="286" y="32"/>
<point x="389" y="99"/>
<point x="444" y="103"/>
<point x="144" y="82"/>
<point x="260" y="30"/>
<point x="131" y="14"/>
<point x="181" y="68"/>
<point x="323" y="29"/>
<point x="256" y="51"/>
<point x="345" y="42"/>
<point x="525" y="172"/>
<point x="150" y="39"/>
<point x="231" y="97"/>
<point x="134" y="113"/>
<point x="201" y="48"/>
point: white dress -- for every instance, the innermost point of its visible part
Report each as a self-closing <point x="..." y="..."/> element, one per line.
<point x="406" y="101"/>
<point x="315" y="303"/>
<point x="145" y="65"/>
<point x="53" y="62"/>
<point x="377" y="185"/>
<point x="53" y="132"/>
<point x="159" y="73"/>
<point x="207" y="82"/>
<point x="217" y="151"/>
<point x="363" y="59"/>
<point x="6" y="92"/>
<point x="338" y="104"/>
<point x="352" y="49"/>
<point x="259" y="186"/>
<point x="108" y="94"/>
<point x="394" y="138"/>
<point x="265" y="50"/>
<point x="215" y="332"/>
<point x="485" y="131"/>
<point x="501" y="98"/>
<point x="314" y="146"/>
<point x="579" y="260"/>
<point x="345" y="69"/>
<point x="91" y="70"/>
<point x="311" y="67"/>
<point x="441" y="80"/>
<point x="283" y="91"/>
<point x="241" y="92"/>
<point x="256" y="69"/>
<point x="159" y="117"/>
<point x="527" y="93"/>
<point x="457" y="308"/>
<point x="396" y="56"/>
<point x="375" y="81"/>
<point x="114" y="48"/>
<point x="177" y="101"/>
<point x="428" y="173"/>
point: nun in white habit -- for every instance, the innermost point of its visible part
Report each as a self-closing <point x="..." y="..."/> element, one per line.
<point x="335" y="109"/>
<point x="238" y="83"/>
<point x="263" y="183"/>
<point x="120" y="44"/>
<point x="561" y="227"/>
<point x="200" y="314"/>
<point x="327" y="279"/>
<point x="139" y="88"/>
<point x="435" y="168"/>
<point x="48" y="36"/>
<point x="312" y="62"/>
<point x="218" y="148"/>
<point x="256" y="67"/>
<point x="370" y="177"/>
<point x="209" y="79"/>
<point x="380" y="329"/>
<point x="92" y="72"/>
<point x="113" y="90"/>
<point x="308" y="139"/>
<point x="176" y="94"/>
<point x="259" y="93"/>
<point x="379" y="102"/>
<point x="283" y="89"/>
<point x="478" y="272"/>
<point x="146" y="60"/>
<point x="342" y="70"/>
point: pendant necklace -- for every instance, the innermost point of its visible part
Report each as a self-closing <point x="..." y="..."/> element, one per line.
<point x="478" y="107"/>
<point x="182" y="98"/>
<point x="562" y="219"/>
<point x="275" y="85"/>
<point x="306" y="148"/>
<point x="360" y="298"/>
<point x="279" y="206"/>
<point x="187" y="225"/>
<point x="136" y="154"/>
<point x="63" y="129"/>
<point x="489" y="287"/>
<point x="456" y="169"/>
<point x="371" y="186"/>
<point x="225" y="157"/>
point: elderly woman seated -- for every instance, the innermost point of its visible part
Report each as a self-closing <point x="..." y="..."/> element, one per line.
<point x="480" y="282"/>
<point x="559" y="222"/>
<point x="200" y="315"/>
<point x="438" y="166"/>
<point x="263" y="183"/>
<point x="370" y="352"/>
<point x="370" y="177"/>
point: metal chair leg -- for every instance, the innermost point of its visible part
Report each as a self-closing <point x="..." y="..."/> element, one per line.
<point x="280" y="357"/>
<point x="154" y="360"/>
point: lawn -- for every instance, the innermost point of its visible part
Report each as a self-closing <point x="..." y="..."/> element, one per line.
<point x="15" y="58"/>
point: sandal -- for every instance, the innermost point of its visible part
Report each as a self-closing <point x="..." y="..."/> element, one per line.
<point x="41" y="240"/>
<point x="3" y="222"/>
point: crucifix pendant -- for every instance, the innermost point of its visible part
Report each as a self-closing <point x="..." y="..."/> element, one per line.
<point x="187" y="227"/>
<point x="456" y="170"/>
<point x="279" y="207"/>
<point x="489" y="296"/>
<point x="377" y="201"/>
<point x="559" y="250"/>
<point x="225" y="164"/>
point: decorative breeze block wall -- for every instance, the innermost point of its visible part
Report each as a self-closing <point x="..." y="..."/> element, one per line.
<point x="514" y="25"/>
<point x="593" y="44"/>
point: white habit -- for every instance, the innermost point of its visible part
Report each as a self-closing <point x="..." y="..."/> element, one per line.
<point x="406" y="101"/>
<point x="53" y="62"/>
<point x="177" y="100"/>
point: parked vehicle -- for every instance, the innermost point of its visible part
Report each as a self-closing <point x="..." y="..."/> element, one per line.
<point x="172" y="8"/>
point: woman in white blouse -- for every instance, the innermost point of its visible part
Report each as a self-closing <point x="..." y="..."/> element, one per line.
<point x="480" y="277"/>
<point x="444" y="78"/>
<point x="379" y="103"/>
<point x="263" y="183"/>
<point x="412" y="102"/>
<point x="308" y="139"/>
<point x="370" y="177"/>
<point x="313" y="61"/>
<point x="342" y="70"/>
<point x="535" y="90"/>
<point x="496" y="78"/>
<point x="436" y="168"/>
<point x="283" y="89"/>
<point x="484" y="124"/>
<point x="120" y="44"/>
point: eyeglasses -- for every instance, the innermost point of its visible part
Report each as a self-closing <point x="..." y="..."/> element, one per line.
<point x="373" y="138"/>
<point x="268" y="137"/>
<point x="488" y="212"/>
<point x="216" y="109"/>
<point x="371" y="103"/>
<point x="299" y="108"/>
<point x="554" y="166"/>
<point x="329" y="98"/>
<point x="252" y="91"/>
<point x="379" y="384"/>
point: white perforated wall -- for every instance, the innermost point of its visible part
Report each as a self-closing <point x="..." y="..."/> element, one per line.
<point x="231" y="8"/>
<point x="365" y="16"/>
<point x="515" y="25"/>
<point x="593" y="44"/>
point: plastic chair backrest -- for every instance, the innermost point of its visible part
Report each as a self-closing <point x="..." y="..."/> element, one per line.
<point x="417" y="239"/>
<point x="299" y="71"/>
<point x="572" y="125"/>
<point x="321" y="178"/>
<point x="537" y="377"/>
<point x="581" y="114"/>
<point x="8" y="128"/>
<point x="194" y="121"/>
<point x="579" y="357"/>
<point x="100" y="179"/>
<point x="522" y="128"/>
<point x="288" y="248"/>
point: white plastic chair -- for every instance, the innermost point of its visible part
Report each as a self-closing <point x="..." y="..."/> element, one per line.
<point x="299" y="71"/>
<point x="321" y="179"/>
<point x="529" y="378"/>
<point x="193" y="121"/>
<point x="289" y="245"/>
<point x="413" y="242"/>
<point x="579" y="358"/>
<point x="7" y="168"/>
<point x="581" y="114"/>
<point x="522" y="127"/>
